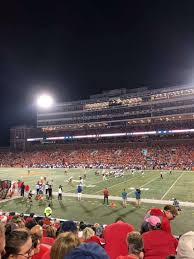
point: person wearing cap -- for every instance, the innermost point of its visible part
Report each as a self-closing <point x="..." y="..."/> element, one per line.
<point x="185" y="249"/>
<point x="166" y="215"/>
<point x="115" y="238"/>
<point x="158" y="243"/>
<point x="135" y="246"/>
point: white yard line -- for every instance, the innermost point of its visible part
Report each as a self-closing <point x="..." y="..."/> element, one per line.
<point x="172" y="186"/>
<point x="119" y="183"/>
<point x="146" y="183"/>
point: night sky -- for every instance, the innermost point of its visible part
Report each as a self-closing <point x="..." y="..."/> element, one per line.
<point x="72" y="49"/>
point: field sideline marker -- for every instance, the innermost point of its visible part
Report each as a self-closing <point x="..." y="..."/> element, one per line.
<point x="172" y="186"/>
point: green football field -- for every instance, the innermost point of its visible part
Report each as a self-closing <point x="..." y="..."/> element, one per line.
<point x="180" y="185"/>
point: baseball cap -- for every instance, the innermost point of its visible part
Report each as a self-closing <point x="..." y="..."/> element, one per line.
<point x="153" y="220"/>
<point x="185" y="247"/>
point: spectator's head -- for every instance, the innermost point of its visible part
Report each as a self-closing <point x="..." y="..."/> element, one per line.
<point x="31" y="215"/>
<point x="10" y="227"/>
<point x="135" y="244"/>
<point x="37" y="230"/>
<point x="119" y="219"/>
<point x="154" y="222"/>
<point x="18" y="245"/>
<point x="35" y="243"/>
<point x="88" y="233"/>
<point x="64" y="243"/>
<point x="68" y="226"/>
<point x="2" y="239"/>
<point x="30" y="224"/>
<point x="50" y="231"/>
<point x="185" y="249"/>
<point x="87" y="251"/>
<point x="170" y="211"/>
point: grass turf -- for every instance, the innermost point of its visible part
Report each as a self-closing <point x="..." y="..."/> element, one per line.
<point x="178" y="185"/>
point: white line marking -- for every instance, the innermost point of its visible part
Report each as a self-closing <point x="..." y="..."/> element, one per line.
<point x="172" y="186"/>
<point x="147" y="183"/>
<point x="120" y="183"/>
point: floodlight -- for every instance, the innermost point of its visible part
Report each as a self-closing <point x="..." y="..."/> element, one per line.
<point x="44" y="101"/>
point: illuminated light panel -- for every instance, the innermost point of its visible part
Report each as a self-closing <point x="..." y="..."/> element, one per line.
<point x="114" y="135"/>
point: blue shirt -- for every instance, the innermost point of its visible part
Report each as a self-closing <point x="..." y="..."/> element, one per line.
<point x="79" y="189"/>
<point x="138" y="195"/>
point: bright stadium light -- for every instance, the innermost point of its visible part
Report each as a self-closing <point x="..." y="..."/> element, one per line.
<point x="44" y="101"/>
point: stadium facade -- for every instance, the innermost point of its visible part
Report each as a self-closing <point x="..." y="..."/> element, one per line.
<point x="120" y="111"/>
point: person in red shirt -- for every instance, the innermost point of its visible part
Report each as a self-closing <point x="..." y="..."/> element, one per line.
<point x="106" y="194"/>
<point x="135" y="246"/>
<point x="89" y="236"/>
<point x="41" y="248"/>
<point x="158" y="244"/>
<point x="115" y="238"/>
<point x="166" y="215"/>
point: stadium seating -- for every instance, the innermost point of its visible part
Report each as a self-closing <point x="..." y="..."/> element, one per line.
<point x="173" y="156"/>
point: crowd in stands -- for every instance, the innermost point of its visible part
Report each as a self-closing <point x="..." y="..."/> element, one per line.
<point x="155" y="157"/>
<point x="30" y="236"/>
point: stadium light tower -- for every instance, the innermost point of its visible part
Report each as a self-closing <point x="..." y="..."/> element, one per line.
<point x="45" y="101"/>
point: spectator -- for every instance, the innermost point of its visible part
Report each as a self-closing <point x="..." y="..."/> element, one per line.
<point x="35" y="243"/>
<point x="89" y="236"/>
<point x="135" y="246"/>
<point x="166" y="215"/>
<point x="158" y="243"/>
<point x="50" y="236"/>
<point x="2" y="239"/>
<point x="87" y="250"/>
<point x="37" y="230"/>
<point x="68" y="226"/>
<point x="185" y="249"/>
<point x="18" y="245"/>
<point x="64" y="243"/>
<point x="115" y="238"/>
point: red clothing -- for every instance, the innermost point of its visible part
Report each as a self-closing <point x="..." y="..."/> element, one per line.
<point x="106" y="193"/>
<point x="165" y="224"/>
<point x="47" y="240"/>
<point x="158" y="244"/>
<point x="96" y="239"/>
<point x="19" y="184"/>
<point x="46" y="255"/>
<point x="127" y="257"/>
<point x="115" y="238"/>
<point x="27" y="188"/>
<point x="43" y="249"/>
